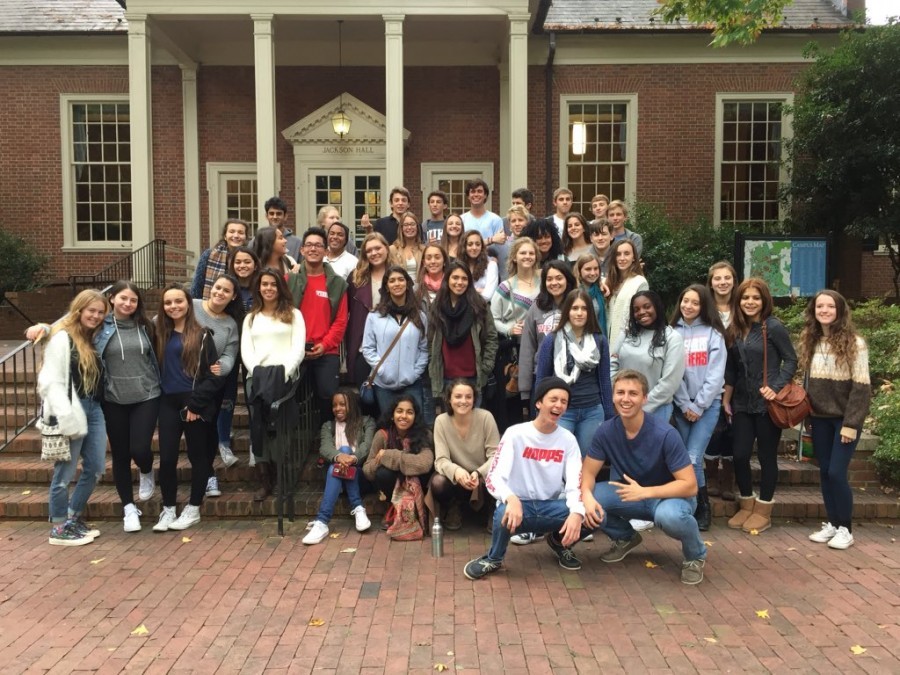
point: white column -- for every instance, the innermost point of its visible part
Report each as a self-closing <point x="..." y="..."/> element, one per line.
<point x="518" y="101"/>
<point x="504" y="189"/>
<point x="141" y="134"/>
<point x="393" y="109"/>
<point x="264" y="61"/>
<point x="193" y="236"/>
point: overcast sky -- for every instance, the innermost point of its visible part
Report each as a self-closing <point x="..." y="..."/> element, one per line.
<point x="878" y="11"/>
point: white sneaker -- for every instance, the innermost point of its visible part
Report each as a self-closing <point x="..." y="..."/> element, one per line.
<point x="824" y="535"/>
<point x="316" y="534"/>
<point x="362" y="520"/>
<point x="132" y="518"/>
<point x="525" y="538"/>
<point x="166" y="517"/>
<point x="228" y="457"/>
<point x="190" y="516"/>
<point x="841" y="540"/>
<point x="641" y="525"/>
<point x="146" y="486"/>
<point x="212" y="487"/>
<point x="252" y="460"/>
<point x="590" y="537"/>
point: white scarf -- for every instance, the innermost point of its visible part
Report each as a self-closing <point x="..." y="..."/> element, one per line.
<point x="586" y="356"/>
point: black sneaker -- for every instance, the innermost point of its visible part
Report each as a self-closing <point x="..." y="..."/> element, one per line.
<point x="567" y="559"/>
<point x="620" y="548"/>
<point x="480" y="567"/>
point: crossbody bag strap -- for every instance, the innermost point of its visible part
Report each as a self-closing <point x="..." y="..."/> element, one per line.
<point x="371" y="378"/>
<point x="765" y="355"/>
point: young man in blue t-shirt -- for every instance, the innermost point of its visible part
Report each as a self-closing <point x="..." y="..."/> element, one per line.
<point x="651" y="478"/>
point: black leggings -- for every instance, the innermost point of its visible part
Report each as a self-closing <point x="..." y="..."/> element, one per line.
<point x="445" y="490"/>
<point x="385" y="479"/>
<point x="130" y="431"/>
<point x="759" y="427"/>
<point x="197" y="435"/>
<point x="325" y="372"/>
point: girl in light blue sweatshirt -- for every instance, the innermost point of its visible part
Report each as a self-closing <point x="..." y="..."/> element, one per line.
<point x="699" y="396"/>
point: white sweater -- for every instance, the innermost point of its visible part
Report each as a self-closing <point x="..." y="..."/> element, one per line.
<point x="270" y="342"/>
<point x="536" y="466"/>
<point x="619" y="309"/>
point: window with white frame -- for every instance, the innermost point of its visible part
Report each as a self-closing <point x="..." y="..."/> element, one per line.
<point x="233" y="193"/>
<point x="451" y="178"/>
<point x="598" y="147"/>
<point x="96" y="153"/>
<point x="750" y="133"/>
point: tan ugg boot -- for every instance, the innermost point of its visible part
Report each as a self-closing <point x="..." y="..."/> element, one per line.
<point x="761" y="520"/>
<point x="744" y="512"/>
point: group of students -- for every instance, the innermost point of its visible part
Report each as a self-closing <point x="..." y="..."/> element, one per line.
<point x="424" y="320"/>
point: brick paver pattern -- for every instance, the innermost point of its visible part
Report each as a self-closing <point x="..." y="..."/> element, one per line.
<point x="238" y="599"/>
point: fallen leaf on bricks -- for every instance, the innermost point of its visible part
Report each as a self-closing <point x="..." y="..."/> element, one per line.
<point x="97" y="561"/>
<point x="754" y="532"/>
<point x="348" y="550"/>
<point x="140" y="630"/>
<point x="857" y="649"/>
<point x="712" y="640"/>
<point x="334" y="535"/>
<point x="440" y="667"/>
<point x="708" y="543"/>
<point x="26" y="492"/>
<point x="792" y="548"/>
<point x="185" y="540"/>
<point x="762" y="613"/>
<point x="317" y="622"/>
<point x="649" y="564"/>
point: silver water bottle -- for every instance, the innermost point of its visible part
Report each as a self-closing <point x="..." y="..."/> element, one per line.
<point x="437" y="539"/>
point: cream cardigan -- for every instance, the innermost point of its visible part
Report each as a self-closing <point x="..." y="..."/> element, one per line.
<point x="52" y="379"/>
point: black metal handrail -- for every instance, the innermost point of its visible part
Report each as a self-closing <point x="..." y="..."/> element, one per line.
<point x="146" y="267"/>
<point x="21" y="405"/>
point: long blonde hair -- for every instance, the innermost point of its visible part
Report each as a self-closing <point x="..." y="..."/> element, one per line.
<point x="363" y="274"/>
<point x="88" y="362"/>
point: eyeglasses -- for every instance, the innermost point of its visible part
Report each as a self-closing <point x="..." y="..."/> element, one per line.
<point x="314" y="245"/>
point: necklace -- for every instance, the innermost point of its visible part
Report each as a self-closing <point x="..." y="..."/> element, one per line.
<point x="209" y="310"/>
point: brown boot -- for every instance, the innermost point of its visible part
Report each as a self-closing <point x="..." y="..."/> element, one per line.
<point x="453" y="521"/>
<point x="264" y="474"/>
<point x="726" y="480"/>
<point x="761" y="520"/>
<point x="712" y="477"/>
<point x="746" y="510"/>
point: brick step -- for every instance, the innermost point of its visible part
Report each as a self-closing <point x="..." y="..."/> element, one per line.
<point x="29" y="469"/>
<point x="791" y="503"/>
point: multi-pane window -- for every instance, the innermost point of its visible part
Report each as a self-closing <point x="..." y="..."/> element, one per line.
<point x="598" y="150"/>
<point x="750" y="167"/>
<point x="456" y="192"/>
<point x="100" y="166"/>
<point x="241" y="200"/>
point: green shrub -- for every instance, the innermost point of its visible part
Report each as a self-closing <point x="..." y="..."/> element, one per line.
<point x="678" y="254"/>
<point x="21" y="266"/>
<point x="886" y="413"/>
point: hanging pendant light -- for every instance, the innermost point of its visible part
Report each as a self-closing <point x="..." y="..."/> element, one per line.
<point x="339" y="120"/>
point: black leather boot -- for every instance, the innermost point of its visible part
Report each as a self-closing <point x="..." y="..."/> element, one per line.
<point x="703" y="514"/>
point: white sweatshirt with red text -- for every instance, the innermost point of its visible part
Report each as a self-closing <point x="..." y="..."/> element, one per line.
<point x="535" y="466"/>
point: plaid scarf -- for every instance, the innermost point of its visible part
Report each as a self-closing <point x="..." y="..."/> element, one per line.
<point x="216" y="266"/>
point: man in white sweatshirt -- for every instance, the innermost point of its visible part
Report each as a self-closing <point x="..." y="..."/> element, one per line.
<point x="533" y="464"/>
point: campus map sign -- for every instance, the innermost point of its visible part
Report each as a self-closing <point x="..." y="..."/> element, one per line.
<point x="791" y="266"/>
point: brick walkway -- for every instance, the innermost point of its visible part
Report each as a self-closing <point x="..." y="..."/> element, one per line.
<point x="235" y="598"/>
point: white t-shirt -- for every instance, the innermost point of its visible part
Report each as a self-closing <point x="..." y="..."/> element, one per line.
<point x="344" y="264"/>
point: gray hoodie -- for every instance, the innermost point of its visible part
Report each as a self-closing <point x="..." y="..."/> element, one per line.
<point x="704" y="374"/>
<point x="664" y="368"/>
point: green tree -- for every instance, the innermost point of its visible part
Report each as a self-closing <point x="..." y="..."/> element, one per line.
<point x="731" y="21"/>
<point x="845" y="153"/>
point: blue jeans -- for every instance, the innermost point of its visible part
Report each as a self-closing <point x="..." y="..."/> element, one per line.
<point x="538" y="516"/>
<point x="333" y="488"/>
<point x="696" y="436"/>
<point x="92" y="451"/>
<point x="673" y="516"/>
<point x="583" y="422"/>
<point x="834" y="458"/>
<point x="226" y="412"/>
<point x="384" y="397"/>
<point x="664" y="412"/>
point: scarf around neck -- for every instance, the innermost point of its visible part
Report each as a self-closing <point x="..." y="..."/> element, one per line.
<point x="457" y="321"/>
<point x="586" y="356"/>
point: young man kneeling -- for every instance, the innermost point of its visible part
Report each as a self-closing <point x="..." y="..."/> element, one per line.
<point x="534" y="462"/>
<point x="651" y="479"/>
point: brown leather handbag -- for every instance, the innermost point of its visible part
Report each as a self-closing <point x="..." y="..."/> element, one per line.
<point x="790" y="405"/>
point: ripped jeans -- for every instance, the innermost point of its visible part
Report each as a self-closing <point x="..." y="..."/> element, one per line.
<point x="92" y="451"/>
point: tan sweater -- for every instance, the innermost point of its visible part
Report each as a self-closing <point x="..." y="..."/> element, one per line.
<point x="472" y="453"/>
<point x="835" y="391"/>
<point x="407" y="463"/>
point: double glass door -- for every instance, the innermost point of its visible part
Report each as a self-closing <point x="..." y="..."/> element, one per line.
<point x="352" y="191"/>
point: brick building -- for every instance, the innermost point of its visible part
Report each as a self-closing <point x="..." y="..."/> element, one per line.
<point x="118" y="126"/>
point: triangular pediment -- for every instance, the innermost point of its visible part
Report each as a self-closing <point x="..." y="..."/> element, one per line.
<point x="367" y="125"/>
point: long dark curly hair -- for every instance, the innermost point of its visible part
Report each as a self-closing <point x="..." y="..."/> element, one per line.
<point x="418" y="436"/>
<point x="658" y="327"/>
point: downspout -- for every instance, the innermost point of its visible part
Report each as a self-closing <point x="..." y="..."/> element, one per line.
<point x="548" y="119"/>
